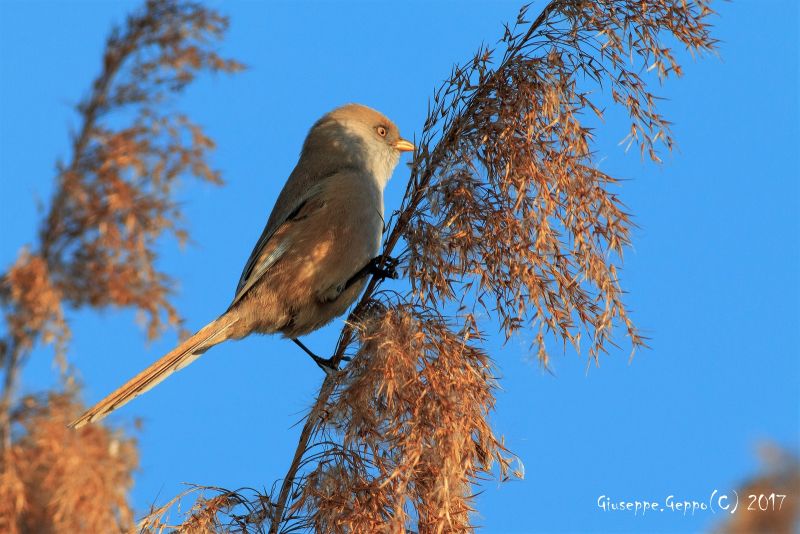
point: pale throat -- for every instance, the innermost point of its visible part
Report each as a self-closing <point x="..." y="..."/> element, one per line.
<point x="379" y="159"/>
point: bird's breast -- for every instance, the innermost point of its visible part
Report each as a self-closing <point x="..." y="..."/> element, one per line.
<point x="349" y="228"/>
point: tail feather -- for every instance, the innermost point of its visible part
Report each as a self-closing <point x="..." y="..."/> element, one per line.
<point x="213" y="333"/>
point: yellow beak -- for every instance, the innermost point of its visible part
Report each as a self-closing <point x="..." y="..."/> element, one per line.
<point x="403" y="145"/>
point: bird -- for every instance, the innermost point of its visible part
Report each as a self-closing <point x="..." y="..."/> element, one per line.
<point x="321" y="241"/>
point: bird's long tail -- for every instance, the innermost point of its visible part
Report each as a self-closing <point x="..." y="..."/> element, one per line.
<point x="213" y="333"/>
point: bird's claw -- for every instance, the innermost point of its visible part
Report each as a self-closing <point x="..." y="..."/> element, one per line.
<point x="328" y="365"/>
<point x="388" y="270"/>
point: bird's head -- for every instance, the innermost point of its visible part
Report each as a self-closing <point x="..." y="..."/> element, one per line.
<point x="358" y="135"/>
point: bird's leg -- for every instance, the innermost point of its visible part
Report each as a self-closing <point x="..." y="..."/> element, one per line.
<point x="374" y="268"/>
<point x="326" y="364"/>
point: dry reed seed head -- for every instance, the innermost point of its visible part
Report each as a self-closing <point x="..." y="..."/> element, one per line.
<point x="242" y="510"/>
<point x="13" y="497"/>
<point x="346" y="499"/>
<point x="114" y="207"/>
<point x="33" y="307"/>
<point x="414" y="435"/>
<point x="62" y="480"/>
<point x="203" y="516"/>
<point x="510" y="210"/>
<point x="777" y="509"/>
<point x="113" y="200"/>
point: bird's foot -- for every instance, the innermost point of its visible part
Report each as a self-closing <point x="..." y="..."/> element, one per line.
<point x="327" y="364"/>
<point x="388" y="270"/>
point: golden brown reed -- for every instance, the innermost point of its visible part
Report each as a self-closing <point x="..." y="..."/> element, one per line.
<point x="770" y="501"/>
<point x="58" y="480"/>
<point x="408" y="429"/>
<point x="96" y="247"/>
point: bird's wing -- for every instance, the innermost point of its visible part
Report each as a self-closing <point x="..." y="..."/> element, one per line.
<point x="257" y="265"/>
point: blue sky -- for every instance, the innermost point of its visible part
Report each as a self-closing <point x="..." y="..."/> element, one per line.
<point x="712" y="274"/>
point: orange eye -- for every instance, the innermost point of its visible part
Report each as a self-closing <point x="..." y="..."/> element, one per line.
<point x="381" y="131"/>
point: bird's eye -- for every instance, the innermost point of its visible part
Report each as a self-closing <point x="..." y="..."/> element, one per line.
<point x="381" y="131"/>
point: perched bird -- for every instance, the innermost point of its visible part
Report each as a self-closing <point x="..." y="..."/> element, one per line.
<point x="310" y="263"/>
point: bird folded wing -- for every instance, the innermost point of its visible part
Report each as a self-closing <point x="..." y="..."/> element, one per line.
<point x="257" y="265"/>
